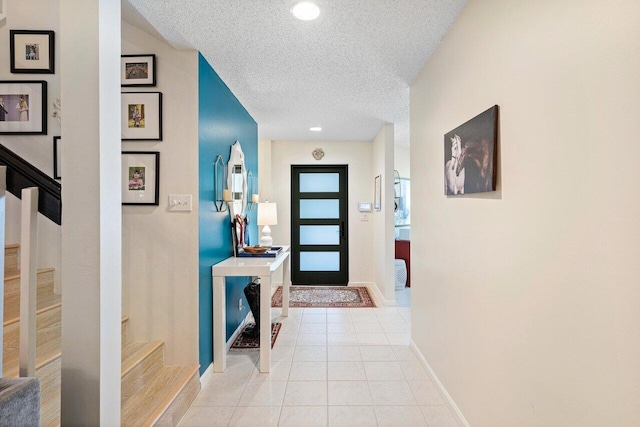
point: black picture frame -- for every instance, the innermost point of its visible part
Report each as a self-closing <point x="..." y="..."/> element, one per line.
<point x="36" y="93"/>
<point x="136" y="160"/>
<point x="57" y="158"/>
<point x="148" y="77"/>
<point x="151" y="129"/>
<point x="21" y="55"/>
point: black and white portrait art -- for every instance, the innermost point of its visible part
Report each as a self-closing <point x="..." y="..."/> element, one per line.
<point x="470" y="152"/>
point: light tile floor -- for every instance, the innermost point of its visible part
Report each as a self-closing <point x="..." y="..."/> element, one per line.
<point x="330" y="367"/>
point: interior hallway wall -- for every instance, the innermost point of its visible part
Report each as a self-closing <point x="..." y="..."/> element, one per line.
<point x="527" y="303"/>
<point x="36" y="149"/>
<point x="159" y="247"/>
<point x="358" y="156"/>
<point x="383" y="220"/>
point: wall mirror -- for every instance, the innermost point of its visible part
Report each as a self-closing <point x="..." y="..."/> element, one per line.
<point x="237" y="181"/>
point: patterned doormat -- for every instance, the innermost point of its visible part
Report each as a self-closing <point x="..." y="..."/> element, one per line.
<point x="325" y="296"/>
<point x="245" y="343"/>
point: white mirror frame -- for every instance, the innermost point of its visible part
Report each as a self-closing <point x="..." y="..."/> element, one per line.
<point x="237" y="158"/>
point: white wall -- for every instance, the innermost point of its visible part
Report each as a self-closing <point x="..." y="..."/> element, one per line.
<point x="383" y="226"/>
<point x="401" y="160"/>
<point x="36" y="149"/>
<point x="527" y="307"/>
<point x="160" y="248"/>
<point x="358" y="155"/>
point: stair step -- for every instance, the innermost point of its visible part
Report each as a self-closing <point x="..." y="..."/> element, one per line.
<point x="164" y="399"/>
<point x="12" y="306"/>
<point x="48" y="342"/>
<point x="140" y="363"/>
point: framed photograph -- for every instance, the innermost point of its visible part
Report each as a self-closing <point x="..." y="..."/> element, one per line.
<point x="470" y="155"/>
<point x="23" y="107"/>
<point x="140" y="177"/>
<point x="57" y="157"/>
<point x="32" y="52"/>
<point x="138" y="70"/>
<point x="377" y="194"/>
<point x="141" y="116"/>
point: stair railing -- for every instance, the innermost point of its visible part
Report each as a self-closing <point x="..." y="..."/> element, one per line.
<point x="28" y="281"/>
<point x="39" y="193"/>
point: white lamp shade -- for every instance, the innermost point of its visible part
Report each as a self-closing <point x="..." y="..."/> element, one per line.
<point x="267" y="214"/>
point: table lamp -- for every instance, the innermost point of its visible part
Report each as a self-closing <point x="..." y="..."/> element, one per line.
<point x="267" y="215"/>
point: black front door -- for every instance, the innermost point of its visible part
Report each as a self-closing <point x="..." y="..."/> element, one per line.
<point x="319" y="219"/>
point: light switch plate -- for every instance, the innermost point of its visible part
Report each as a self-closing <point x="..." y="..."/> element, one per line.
<point x="180" y="202"/>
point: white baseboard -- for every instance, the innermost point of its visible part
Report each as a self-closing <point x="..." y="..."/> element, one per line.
<point x="207" y="376"/>
<point x="457" y="414"/>
<point x="375" y="293"/>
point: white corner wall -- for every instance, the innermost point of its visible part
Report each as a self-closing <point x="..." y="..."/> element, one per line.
<point x="527" y="307"/>
<point x="402" y="160"/>
<point x="160" y="248"/>
<point x="358" y="155"/>
<point x="36" y="149"/>
<point x="383" y="220"/>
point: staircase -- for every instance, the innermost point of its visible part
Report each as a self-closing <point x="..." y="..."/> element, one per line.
<point x="152" y="393"/>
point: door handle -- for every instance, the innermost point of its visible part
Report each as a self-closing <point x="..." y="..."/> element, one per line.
<point x="342" y="229"/>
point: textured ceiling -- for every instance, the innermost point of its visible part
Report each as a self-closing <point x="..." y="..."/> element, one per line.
<point x="348" y="71"/>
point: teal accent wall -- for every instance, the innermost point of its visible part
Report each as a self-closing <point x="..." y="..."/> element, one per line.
<point x="222" y="121"/>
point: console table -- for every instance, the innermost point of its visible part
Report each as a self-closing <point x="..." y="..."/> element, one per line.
<point x="254" y="267"/>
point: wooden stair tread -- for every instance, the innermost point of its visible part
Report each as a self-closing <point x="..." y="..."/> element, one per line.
<point x="17" y="276"/>
<point x="137" y="352"/>
<point x="11" y="367"/>
<point x="43" y="303"/>
<point x="147" y="406"/>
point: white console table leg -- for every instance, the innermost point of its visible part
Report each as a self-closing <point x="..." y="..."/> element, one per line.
<point x="286" y="285"/>
<point x="265" y="323"/>
<point x="219" y="325"/>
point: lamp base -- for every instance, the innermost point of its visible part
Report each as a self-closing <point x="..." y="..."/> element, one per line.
<point x="266" y="240"/>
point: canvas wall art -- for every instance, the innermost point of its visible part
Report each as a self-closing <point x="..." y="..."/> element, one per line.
<point x="470" y="155"/>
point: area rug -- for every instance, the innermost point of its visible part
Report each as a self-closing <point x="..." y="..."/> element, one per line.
<point x="325" y="296"/>
<point x="245" y="343"/>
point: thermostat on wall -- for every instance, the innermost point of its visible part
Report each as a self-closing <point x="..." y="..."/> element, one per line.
<point x="364" y="206"/>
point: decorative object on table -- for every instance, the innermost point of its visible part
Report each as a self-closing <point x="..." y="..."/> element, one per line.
<point x="140" y="177"/>
<point x="57" y="157"/>
<point x="255" y="249"/>
<point x="267" y="215"/>
<point x="377" y="193"/>
<point x="138" y="70"/>
<point x="318" y="153"/>
<point x="470" y="155"/>
<point x="219" y="178"/>
<point x="325" y="296"/>
<point x="244" y="343"/>
<point x="252" y="294"/>
<point x="23" y="107"/>
<point x="272" y="252"/>
<point x="238" y="232"/>
<point x="32" y="52"/>
<point x="141" y="114"/>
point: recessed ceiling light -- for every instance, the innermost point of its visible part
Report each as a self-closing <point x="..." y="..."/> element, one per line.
<point x="315" y="129"/>
<point x="305" y="10"/>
